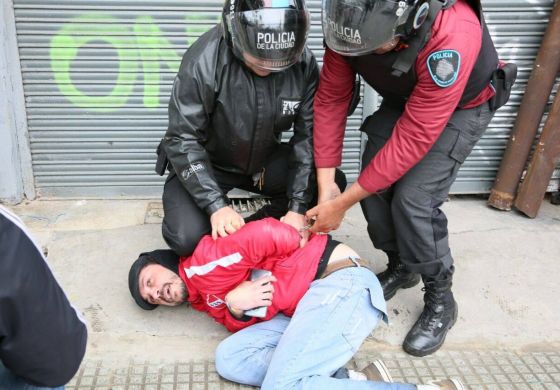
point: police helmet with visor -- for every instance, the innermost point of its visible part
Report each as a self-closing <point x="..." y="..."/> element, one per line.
<point x="268" y="35"/>
<point x="359" y="27"/>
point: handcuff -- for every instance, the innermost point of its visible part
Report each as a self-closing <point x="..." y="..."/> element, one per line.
<point x="309" y="225"/>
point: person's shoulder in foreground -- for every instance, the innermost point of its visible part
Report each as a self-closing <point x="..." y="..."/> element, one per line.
<point x="42" y="337"/>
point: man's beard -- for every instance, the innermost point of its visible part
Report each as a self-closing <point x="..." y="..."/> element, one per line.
<point x="182" y="291"/>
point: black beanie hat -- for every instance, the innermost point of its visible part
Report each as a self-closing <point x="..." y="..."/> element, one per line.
<point x="163" y="257"/>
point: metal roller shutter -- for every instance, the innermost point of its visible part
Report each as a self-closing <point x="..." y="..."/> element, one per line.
<point x="517" y="27"/>
<point x="97" y="76"/>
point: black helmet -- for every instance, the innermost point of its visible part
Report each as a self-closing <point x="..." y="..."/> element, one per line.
<point x="267" y="34"/>
<point x="358" y="27"/>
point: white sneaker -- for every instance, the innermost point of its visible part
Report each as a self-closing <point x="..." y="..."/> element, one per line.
<point x="443" y="384"/>
<point x="377" y="371"/>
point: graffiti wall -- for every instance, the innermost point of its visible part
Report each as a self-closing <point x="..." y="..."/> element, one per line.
<point x="139" y="55"/>
<point x="97" y="76"/>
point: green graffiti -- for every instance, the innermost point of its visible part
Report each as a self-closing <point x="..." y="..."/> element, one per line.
<point x="150" y="37"/>
<point x="64" y="49"/>
<point x="193" y="30"/>
<point x="142" y="50"/>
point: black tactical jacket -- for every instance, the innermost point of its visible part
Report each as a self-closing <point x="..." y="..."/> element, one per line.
<point x="223" y="116"/>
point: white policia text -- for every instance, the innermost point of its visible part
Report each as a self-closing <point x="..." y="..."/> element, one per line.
<point x="268" y="41"/>
<point x="347" y="34"/>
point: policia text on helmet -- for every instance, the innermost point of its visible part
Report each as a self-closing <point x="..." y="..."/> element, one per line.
<point x="266" y="35"/>
<point x="359" y="27"/>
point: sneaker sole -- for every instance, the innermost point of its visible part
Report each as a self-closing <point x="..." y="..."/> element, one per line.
<point x="410" y="284"/>
<point x="425" y="352"/>
<point x="455" y="382"/>
<point x="383" y="371"/>
<point x="458" y="384"/>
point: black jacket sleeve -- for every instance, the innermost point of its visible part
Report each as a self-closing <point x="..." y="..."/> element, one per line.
<point x="301" y="171"/>
<point x="42" y="338"/>
<point x="190" y="109"/>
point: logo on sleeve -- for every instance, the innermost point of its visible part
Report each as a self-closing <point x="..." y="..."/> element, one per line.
<point x="195" y="167"/>
<point x="213" y="301"/>
<point x="444" y="67"/>
<point x="290" y="107"/>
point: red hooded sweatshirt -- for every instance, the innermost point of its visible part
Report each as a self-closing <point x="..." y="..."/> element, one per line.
<point x="218" y="266"/>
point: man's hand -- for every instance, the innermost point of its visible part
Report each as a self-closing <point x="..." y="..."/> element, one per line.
<point x="328" y="216"/>
<point x="298" y="222"/>
<point x="251" y="294"/>
<point x="327" y="186"/>
<point x="328" y="191"/>
<point x="225" y="221"/>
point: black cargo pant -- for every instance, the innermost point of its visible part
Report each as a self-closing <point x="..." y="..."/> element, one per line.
<point x="406" y="218"/>
<point x="184" y="223"/>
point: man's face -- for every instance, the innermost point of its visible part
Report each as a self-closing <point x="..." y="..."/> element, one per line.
<point x="161" y="286"/>
<point x="252" y="63"/>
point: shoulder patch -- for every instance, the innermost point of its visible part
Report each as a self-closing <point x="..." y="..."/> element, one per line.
<point x="444" y="67"/>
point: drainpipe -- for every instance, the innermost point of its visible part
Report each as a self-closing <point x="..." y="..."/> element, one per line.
<point x="533" y="188"/>
<point x="529" y="116"/>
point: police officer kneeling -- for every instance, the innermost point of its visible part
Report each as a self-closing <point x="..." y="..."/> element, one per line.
<point x="239" y="86"/>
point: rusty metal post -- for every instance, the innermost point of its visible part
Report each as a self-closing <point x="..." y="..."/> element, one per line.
<point x="529" y="116"/>
<point x="532" y="190"/>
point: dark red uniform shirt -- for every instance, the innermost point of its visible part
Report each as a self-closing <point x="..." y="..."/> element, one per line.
<point x="427" y="111"/>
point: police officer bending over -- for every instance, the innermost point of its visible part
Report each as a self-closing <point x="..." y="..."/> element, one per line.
<point x="432" y="62"/>
<point x="240" y="85"/>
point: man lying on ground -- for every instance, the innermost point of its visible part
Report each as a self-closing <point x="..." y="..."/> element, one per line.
<point x="321" y="303"/>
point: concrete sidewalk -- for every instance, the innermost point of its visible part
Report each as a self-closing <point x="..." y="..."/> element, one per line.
<point x="477" y="370"/>
<point x="505" y="283"/>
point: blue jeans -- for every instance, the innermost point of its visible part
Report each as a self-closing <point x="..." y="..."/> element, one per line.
<point x="331" y="321"/>
<point x="9" y="381"/>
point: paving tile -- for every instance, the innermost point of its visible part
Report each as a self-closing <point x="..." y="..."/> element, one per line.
<point x="477" y="369"/>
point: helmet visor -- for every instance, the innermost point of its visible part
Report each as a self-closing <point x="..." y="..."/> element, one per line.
<point x="270" y="39"/>
<point x="358" y="27"/>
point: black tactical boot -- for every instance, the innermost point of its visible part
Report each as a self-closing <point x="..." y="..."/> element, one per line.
<point x="439" y="315"/>
<point x="396" y="276"/>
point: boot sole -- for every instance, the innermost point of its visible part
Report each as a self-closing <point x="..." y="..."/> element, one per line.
<point x="410" y="284"/>
<point x="425" y="352"/>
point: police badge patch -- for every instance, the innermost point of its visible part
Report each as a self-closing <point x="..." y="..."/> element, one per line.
<point x="444" y="67"/>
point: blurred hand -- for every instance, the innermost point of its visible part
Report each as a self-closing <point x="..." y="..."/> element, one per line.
<point x="225" y="221"/>
<point x="251" y="294"/>
<point x="328" y="191"/>
<point x="328" y="216"/>
<point x="298" y="222"/>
